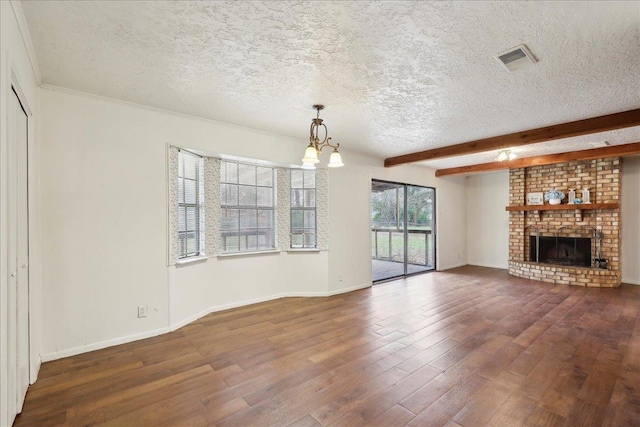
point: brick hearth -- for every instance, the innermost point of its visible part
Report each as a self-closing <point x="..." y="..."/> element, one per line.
<point x="602" y="178"/>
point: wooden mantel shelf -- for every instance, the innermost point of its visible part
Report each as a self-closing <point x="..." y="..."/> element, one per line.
<point x="578" y="208"/>
<point x="582" y="207"/>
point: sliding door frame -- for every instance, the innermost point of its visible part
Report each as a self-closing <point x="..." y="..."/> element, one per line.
<point x="405" y="231"/>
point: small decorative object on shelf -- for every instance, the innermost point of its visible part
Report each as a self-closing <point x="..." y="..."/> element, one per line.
<point x="554" y="197"/>
<point x="572" y="196"/>
<point x="535" y="199"/>
<point x="585" y="196"/>
<point x="577" y="201"/>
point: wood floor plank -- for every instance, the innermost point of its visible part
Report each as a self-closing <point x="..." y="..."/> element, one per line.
<point x="484" y="404"/>
<point x="305" y="421"/>
<point x="471" y="346"/>
<point x="515" y="411"/>
<point x="540" y="417"/>
<point x="443" y="409"/>
<point x="394" y="416"/>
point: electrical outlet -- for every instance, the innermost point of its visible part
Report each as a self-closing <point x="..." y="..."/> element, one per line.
<point x="341" y="277"/>
<point x="142" y="311"/>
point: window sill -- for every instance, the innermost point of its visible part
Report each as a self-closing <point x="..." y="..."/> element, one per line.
<point x="191" y="260"/>
<point x="240" y="254"/>
<point x="303" y="250"/>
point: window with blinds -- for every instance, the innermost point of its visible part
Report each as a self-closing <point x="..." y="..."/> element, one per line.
<point x="190" y="205"/>
<point x="303" y="209"/>
<point x="247" y="202"/>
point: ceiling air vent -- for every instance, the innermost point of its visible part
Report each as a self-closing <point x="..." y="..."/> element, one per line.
<point x="516" y="58"/>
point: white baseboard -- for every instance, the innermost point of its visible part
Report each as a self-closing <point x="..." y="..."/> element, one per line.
<point x="179" y="324"/>
<point x="244" y="303"/>
<point x="103" y="344"/>
<point x="33" y="376"/>
<point x="148" y="334"/>
<point x="631" y="280"/>
<point x="351" y="289"/>
<point x="489" y="265"/>
<point x="449" y="267"/>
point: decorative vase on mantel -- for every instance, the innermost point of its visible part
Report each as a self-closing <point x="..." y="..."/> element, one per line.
<point x="554" y="197"/>
<point x="586" y="197"/>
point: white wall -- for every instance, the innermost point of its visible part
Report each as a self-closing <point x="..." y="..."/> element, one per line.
<point x="104" y="208"/>
<point x="630" y="217"/>
<point x="487" y="220"/>
<point x="16" y="66"/>
<point x="350" y="213"/>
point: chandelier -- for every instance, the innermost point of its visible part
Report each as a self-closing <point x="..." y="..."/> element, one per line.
<point x="505" y="155"/>
<point x="316" y="144"/>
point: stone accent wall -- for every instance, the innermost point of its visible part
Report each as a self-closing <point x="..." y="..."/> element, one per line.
<point x="602" y="178"/>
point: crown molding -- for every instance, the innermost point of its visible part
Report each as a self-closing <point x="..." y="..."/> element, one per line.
<point x="82" y="94"/>
<point x="26" y="39"/>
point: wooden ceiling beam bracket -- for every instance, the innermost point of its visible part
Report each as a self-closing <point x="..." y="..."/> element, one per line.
<point x="565" y="130"/>
<point x="595" y="153"/>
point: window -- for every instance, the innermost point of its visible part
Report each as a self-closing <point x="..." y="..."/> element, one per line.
<point x="190" y="205"/>
<point x="303" y="208"/>
<point x="247" y="207"/>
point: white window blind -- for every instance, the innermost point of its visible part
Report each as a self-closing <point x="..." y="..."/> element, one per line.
<point x="303" y="209"/>
<point x="190" y="205"/>
<point x="247" y="201"/>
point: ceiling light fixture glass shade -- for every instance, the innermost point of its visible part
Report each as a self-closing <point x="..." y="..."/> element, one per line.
<point x="335" y="161"/>
<point x="505" y="155"/>
<point x="311" y="155"/>
<point x="308" y="166"/>
<point x="318" y="139"/>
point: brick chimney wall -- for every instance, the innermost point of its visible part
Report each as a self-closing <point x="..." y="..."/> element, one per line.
<point x="602" y="178"/>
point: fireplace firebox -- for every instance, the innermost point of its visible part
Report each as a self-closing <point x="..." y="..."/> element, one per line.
<point x="570" y="251"/>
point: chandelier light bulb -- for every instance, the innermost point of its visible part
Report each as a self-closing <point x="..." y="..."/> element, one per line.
<point x="505" y="155"/>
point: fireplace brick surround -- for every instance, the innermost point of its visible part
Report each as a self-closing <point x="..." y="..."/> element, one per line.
<point x="602" y="178"/>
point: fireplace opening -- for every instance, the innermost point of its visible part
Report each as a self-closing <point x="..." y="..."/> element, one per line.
<point x="571" y="251"/>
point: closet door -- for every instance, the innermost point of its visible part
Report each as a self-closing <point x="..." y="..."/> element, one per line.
<point x="18" y="252"/>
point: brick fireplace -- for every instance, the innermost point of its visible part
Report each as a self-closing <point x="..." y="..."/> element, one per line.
<point x="565" y="246"/>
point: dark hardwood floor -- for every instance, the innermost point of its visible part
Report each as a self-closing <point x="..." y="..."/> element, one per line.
<point x="466" y="347"/>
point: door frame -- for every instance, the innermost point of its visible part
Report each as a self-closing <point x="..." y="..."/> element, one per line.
<point x="34" y="352"/>
<point x="8" y="326"/>
<point x="22" y="178"/>
<point x="405" y="231"/>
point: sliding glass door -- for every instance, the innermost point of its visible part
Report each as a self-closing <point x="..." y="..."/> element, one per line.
<point x="402" y="231"/>
<point x="387" y="230"/>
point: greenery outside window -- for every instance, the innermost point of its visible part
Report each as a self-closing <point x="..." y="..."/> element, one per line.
<point x="303" y="209"/>
<point x="247" y="202"/>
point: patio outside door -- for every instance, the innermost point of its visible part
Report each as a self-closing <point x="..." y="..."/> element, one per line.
<point x="402" y="231"/>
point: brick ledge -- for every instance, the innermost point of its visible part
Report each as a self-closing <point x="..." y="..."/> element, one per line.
<point x="563" y="275"/>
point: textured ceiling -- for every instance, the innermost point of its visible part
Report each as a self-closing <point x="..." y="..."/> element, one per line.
<point x="396" y="77"/>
